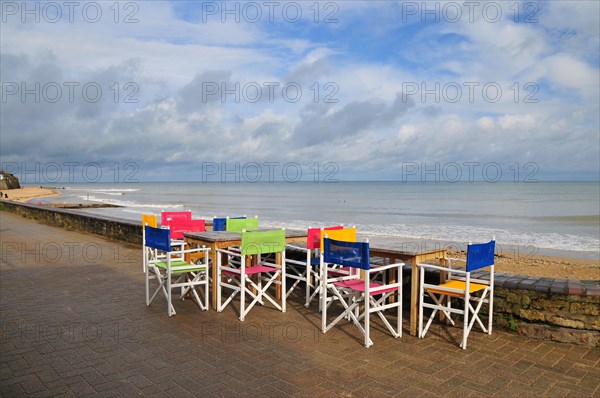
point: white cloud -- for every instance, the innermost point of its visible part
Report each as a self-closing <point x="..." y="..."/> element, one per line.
<point x="570" y="72"/>
<point x="486" y="123"/>
<point x="521" y="122"/>
<point x="371" y="126"/>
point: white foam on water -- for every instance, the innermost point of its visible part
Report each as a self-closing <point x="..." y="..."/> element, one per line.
<point x="459" y="235"/>
<point x="105" y="191"/>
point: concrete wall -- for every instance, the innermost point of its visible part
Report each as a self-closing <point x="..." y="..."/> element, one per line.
<point x="564" y="310"/>
<point x="112" y="228"/>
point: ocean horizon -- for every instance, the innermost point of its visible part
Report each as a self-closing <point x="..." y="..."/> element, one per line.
<point x="550" y="217"/>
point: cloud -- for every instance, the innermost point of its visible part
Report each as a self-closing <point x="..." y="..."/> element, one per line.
<point x="352" y="75"/>
<point x="205" y="88"/>
<point x="571" y="72"/>
<point x="319" y="123"/>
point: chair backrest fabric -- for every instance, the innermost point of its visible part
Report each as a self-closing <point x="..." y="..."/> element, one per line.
<point x="220" y="223"/>
<point x="263" y="242"/>
<point x="348" y="254"/>
<point x="158" y="238"/>
<point x="149" y="219"/>
<point x="239" y="224"/>
<point x="178" y="227"/>
<point x="345" y="234"/>
<point x="480" y="255"/>
<point x="313" y="238"/>
<point x="167" y="216"/>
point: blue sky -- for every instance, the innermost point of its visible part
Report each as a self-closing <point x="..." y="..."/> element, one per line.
<point x="379" y="87"/>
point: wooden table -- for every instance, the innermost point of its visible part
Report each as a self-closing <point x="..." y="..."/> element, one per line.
<point x="220" y="239"/>
<point x="413" y="258"/>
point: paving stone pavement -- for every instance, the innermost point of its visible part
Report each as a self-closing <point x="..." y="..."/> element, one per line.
<point x="74" y="323"/>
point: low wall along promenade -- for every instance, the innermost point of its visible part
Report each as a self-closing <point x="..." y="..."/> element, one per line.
<point x="113" y="228"/>
<point x="564" y="310"/>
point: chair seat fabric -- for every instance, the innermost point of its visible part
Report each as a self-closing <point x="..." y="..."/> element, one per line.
<point x="177" y="264"/>
<point x="359" y="286"/>
<point x="455" y="284"/>
<point x="256" y="269"/>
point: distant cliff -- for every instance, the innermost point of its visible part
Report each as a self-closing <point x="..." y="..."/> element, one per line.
<point x="8" y="181"/>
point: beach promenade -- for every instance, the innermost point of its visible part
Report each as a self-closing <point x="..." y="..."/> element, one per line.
<point x="74" y="323"/>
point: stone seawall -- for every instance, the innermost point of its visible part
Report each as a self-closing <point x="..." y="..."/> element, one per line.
<point x="110" y="227"/>
<point x="564" y="317"/>
<point x="563" y="310"/>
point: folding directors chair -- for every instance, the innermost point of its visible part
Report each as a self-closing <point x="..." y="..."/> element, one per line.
<point x="460" y="285"/>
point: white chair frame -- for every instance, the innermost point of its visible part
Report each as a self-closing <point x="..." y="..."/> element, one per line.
<point x="470" y="313"/>
<point x="188" y="276"/>
<point x="239" y="281"/>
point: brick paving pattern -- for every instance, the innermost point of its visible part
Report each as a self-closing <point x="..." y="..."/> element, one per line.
<point x="74" y="323"/>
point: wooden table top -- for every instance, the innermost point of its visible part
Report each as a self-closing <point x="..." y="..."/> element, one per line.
<point x="223" y="236"/>
<point x="391" y="250"/>
<point x="378" y="250"/>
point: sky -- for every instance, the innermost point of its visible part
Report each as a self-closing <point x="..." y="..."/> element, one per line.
<point x="301" y="90"/>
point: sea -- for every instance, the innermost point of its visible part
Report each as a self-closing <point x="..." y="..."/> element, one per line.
<point x="552" y="218"/>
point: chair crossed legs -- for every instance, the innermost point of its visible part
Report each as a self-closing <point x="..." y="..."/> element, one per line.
<point x="238" y="279"/>
<point x="460" y="285"/>
<point x="307" y="271"/>
<point x="170" y="270"/>
<point x="359" y="297"/>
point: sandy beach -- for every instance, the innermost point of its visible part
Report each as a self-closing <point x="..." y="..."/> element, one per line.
<point x="545" y="266"/>
<point x="25" y="194"/>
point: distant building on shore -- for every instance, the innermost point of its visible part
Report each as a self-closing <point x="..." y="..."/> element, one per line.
<point x="8" y="181"/>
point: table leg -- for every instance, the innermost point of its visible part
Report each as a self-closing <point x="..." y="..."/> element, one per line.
<point x="414" y="296"/>
<point x="187" y="257"/>
<point x="213" y="256"/>
<point x="392" y="275"/>
<point x="443" y="277"/>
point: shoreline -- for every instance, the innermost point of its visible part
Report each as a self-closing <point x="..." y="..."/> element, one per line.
<point x="507" y="260"/>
